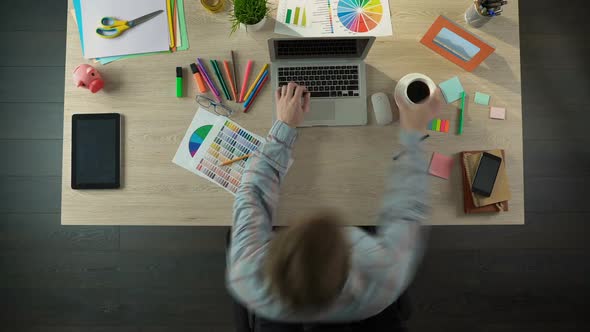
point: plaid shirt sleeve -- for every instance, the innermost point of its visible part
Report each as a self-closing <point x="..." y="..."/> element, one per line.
<point x="381" y="265"/>
<point x="254" y="206"/>
<point x="387" y="262"/>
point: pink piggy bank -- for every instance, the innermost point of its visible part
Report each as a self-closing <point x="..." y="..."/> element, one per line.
<point x="88" y="77"/>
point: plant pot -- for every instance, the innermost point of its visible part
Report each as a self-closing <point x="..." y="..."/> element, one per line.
<point x="256" y="27"/>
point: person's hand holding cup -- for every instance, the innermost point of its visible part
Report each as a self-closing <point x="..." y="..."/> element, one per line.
<point x="415" y="117"/>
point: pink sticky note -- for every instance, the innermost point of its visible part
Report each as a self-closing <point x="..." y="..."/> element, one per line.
<point x="498" y="113"/>
<point x="441" y="165"/>
<point x="444" y="127"/>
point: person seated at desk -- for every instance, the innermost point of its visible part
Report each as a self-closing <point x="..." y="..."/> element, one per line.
<point x="317" y="271"/>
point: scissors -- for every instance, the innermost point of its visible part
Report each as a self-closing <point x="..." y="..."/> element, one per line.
<point x="111" y="27"/>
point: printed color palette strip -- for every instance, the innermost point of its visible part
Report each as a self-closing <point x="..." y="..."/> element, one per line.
<point x="226" y="141"/>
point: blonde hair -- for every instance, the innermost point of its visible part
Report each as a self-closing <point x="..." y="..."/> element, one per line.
<point x="308" y="262"/>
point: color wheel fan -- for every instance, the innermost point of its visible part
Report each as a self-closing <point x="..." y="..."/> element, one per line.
<point x="360" y="15"/>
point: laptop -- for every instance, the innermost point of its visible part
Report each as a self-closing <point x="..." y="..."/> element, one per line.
<point x="332" y="69"/>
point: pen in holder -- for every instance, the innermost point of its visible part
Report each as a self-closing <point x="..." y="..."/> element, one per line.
<point x="482" y="11"/>
<point x="475" y="17"/>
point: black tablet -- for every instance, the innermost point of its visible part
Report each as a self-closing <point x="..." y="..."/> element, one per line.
<point x="96" y="149"/>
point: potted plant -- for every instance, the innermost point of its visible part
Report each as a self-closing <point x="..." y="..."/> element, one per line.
<point x="251" y="13"/>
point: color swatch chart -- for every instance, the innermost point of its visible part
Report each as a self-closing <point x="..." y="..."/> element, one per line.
<point x="225" y="141"/>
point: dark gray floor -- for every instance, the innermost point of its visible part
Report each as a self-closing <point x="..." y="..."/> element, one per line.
<point x="493" y="279"/>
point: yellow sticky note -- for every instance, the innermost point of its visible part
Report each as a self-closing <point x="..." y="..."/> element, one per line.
<point x="437" y="124"/>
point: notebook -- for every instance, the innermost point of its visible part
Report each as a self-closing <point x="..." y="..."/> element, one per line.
<point x="473" y="203"/>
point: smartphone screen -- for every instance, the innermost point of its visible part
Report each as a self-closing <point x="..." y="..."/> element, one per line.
<point x="487" y="171"/>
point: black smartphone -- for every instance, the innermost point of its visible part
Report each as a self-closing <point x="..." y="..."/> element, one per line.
<point x="96" y="149"/>
<point x="486" y="174"/>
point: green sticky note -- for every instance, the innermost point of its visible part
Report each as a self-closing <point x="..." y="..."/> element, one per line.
<point x="437" y="124"/>
<point x="451" y="89"/>
<point x="482" y="99"/>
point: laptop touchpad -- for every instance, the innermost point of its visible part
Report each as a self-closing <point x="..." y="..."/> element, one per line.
<point x="321" y="110"/>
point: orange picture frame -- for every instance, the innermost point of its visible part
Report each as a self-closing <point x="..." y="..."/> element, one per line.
<point x="468" y="64"/>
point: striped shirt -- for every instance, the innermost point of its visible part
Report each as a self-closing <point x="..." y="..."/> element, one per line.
<point x="381" y="265"/>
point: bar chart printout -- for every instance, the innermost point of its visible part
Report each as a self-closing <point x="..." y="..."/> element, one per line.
<point x="333" y="18"/>
<point x="295" y="13"/>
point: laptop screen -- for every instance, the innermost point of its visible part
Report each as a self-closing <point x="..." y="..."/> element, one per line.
<point x="320" y="48"/>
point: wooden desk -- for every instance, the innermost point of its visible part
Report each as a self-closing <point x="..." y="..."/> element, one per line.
<point x="340" y="168"/>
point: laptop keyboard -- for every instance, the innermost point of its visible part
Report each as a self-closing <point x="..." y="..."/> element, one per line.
<point x="318" y="48"/>
<point x="323" y="81"/>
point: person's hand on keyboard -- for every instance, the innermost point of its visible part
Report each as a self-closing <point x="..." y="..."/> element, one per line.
<point x="417" y="116"/>
<point x="292" y="103"/>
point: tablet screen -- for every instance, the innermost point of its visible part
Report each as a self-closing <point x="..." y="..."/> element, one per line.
<point x="95" y="150"/>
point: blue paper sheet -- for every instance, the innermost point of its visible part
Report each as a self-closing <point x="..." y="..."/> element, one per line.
<point x="79" y="22"/>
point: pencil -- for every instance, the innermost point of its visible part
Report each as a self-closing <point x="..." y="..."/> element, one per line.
<point x="255" y="94"/>
<point x="234" y="65"/>
<point x="229" y="162"/>
<point x="220" y="79"/>
<point x="175" y="18"/>
<point x="256" y="80"/>
<point x="461" y="114"/>
<point x="170" y="29"/>
<point x="245" y="82"/>
<point x="231" y="80"/>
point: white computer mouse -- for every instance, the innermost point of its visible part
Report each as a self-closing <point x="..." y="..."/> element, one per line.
<point x="381" y="108"/>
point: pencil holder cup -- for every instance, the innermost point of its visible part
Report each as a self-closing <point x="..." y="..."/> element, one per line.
<point x="474" y="18"/>
<point x="414" y="89"/>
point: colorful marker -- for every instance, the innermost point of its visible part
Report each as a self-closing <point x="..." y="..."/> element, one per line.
<point x="220" y="79"/>
<point x="231" y="80"/>
<point x="178" y="82"/>
<point x="255" y="88"/>
<point x="203" y="72"/>
<point x="245" y="82"/>
<point x="234" y="65"/>
<point x="461" y="114"/>
<point x="256" y="94"/>
<point x="198" y="78"/>
<point x="256" y="81"/>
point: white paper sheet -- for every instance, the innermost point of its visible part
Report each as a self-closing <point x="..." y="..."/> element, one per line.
<point x="150" y="36"/>
<point x="184" y="155"/>
<point x="334" y="18"/>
